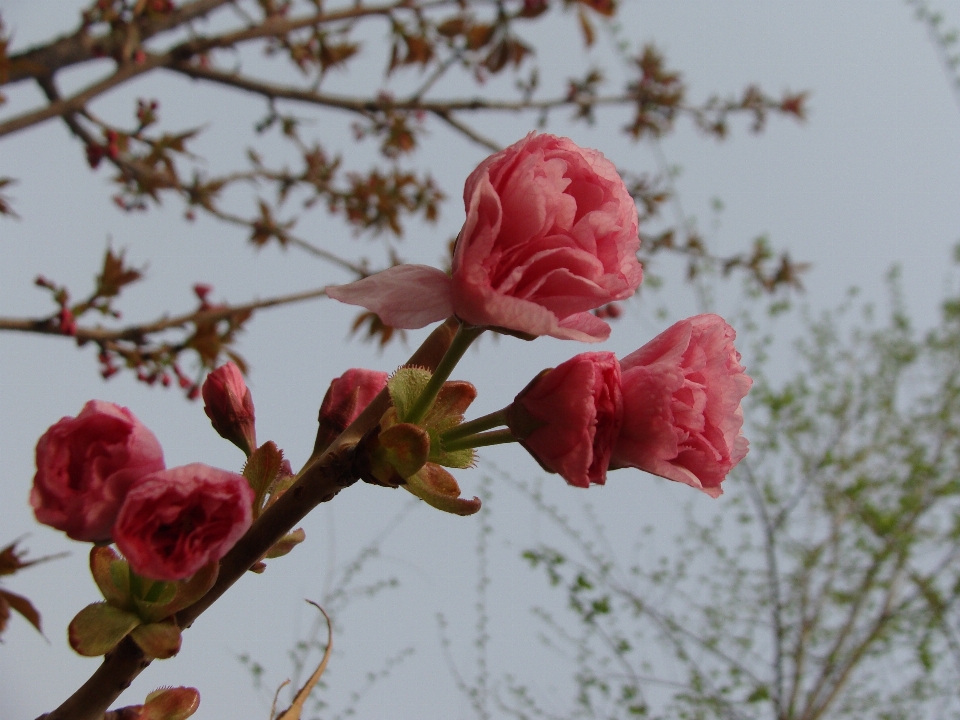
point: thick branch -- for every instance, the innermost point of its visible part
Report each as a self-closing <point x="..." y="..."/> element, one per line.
<point x="320" y="481"/>
<point x="80" y="46"/>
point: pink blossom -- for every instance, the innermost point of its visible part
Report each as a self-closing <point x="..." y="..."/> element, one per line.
<point x="550" y="234"/>
<point x="347" y="397"/>
<point x="175" y="521"/>
<point x="568" y="417"/>
<point x="681" y="405"/>
<point x="86" y="465"/>
<point x="229" y="405"/>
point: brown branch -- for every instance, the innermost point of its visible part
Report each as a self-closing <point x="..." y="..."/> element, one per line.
<point x="273" y="91"/>
<point x="468" y="131"/>
<point x="81" y="47"/>
<point x="75" y="103"/>
<point x="320" y="481"/>
<point x="48" y="326"/>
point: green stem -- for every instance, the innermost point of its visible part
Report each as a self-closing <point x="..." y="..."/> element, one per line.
<point x="466" y="334"/>
<point x="497" y="437"/>
<point x="487" y="422"/>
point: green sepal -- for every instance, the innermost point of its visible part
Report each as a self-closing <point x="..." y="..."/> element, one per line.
<point x="439" y="489"/>
<point x="160" y="596"/>
<point x="260" y="470"/>
<point x="287" y="543"/>
<point x="98" y="628"/>
<point x="112" y="575"/>
<point x="405" y="386"/>
<point x="170" y="704"/>
<point x="178" y="595"/>
<point x="461" y="459"/>
<point x="402" y="450"/>
<point x="158" y="640"/>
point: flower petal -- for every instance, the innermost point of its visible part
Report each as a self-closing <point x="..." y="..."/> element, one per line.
<point x="405" y="296"/>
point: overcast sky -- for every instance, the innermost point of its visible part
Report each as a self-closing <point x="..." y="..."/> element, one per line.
<point x="871" y="179"/>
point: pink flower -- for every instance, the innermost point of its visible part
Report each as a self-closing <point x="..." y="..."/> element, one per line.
<point x="174" y="522"/>
<point x="229" y="405"/>
<point x="568" y="417"/>
<point x="681" y="405"/>
<point x="550" y="234"/>
<point x="346" y="398"/>
<point x="86" y="465"/>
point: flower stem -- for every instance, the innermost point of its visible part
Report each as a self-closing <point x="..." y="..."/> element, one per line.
<point x="487" y="422"/>
<point x="466" y="334"/>
<point x="497" y="437"/>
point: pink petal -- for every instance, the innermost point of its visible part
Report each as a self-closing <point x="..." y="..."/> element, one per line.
<point x="405" y="296"/>
<point x="585" y="327"/>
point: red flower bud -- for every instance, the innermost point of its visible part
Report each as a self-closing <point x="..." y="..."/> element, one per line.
<point x="346" y="398"/>
<point x="86" y="465"/>
<point x="174" y="522"/>
<point x="568" y="417"/>
<point x="228" y="404"/>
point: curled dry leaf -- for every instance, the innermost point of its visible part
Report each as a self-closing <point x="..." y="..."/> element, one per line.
<point x="294" y="711"/>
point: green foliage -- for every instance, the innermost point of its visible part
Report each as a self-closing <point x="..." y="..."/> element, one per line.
<point x="825" y="584"/>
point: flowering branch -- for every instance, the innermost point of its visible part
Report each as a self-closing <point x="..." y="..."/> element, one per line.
<point x="319" y="481"/>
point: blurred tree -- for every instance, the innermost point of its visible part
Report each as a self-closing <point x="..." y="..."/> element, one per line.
<point x="827" y="587"/>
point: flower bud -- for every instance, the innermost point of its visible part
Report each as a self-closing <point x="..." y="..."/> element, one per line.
<point x="85" y="467"/>
<point x="174" y="522"/>
<point x="568" y="417"/>
<point x="347" y="397"/>
<point x="229" y="405"/>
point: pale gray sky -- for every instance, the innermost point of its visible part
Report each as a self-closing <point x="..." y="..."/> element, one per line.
<point x="871" y="179"/>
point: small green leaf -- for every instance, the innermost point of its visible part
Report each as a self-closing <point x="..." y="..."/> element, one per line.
<point x="112" y="576"/>
<point x="405" y="386"/>
<point x="178" y="595"/>
<point x="158" y="640"/>
<point x="170" y="704"/>
<point x="287" y="543"/>
<point x="99" y="627"/>
<point x="261" y="470"/>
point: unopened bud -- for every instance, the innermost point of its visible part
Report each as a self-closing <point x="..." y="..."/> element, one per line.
<point x="229" y="405"/>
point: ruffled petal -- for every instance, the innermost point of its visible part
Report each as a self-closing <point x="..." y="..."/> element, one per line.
<point x="405" y="296"/>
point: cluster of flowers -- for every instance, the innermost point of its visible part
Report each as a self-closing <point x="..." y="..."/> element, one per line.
<point x="550" y="237"/>
<point x="101" y="478"/>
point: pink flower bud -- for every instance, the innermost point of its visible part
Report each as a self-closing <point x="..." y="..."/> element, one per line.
<point x="550" y="234"/>
<point x="175" y="521"/>
<point x="568" y="417"/>
<point x="681" y="400"/>
<point x="229" y="405"/>
<point x="86" y="465"/>
<point x="347" y="397"/>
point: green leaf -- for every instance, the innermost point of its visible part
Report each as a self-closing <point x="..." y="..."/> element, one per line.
<point x="158" y="640"/>
<point x="405" y="386"/>
<point x="261" y="470"/>
<point x="170" y="704"/>
<point x="287" y="543"/>
<point x="185" y="593"/>
<point x="112" y="576"/>
<point x="99" y="627"/>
